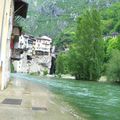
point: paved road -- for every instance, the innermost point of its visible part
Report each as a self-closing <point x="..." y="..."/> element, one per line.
<point x="25" y="100"/>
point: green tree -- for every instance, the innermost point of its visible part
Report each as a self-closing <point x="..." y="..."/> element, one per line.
<point x="113" y="67"/>
<point x="64" y="40"/>
<point x="110" y="18"/>
<point x="110" y="45"/>
<point x="117" y="27"/>
<point x="62" y="64"/>
<point x="87" y="53"/>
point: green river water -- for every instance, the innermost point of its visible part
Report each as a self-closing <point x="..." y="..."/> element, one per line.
<point x="100" y="101"/>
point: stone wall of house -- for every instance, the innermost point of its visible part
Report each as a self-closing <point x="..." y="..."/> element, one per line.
<point x="37" y="65"/>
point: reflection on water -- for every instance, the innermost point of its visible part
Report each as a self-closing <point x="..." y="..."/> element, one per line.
<point x="100" y="101"/>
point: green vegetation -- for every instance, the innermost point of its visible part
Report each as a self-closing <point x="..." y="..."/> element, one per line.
<point x="113" y="67"/>
<point x="112" y="51"/>
<point x="110" y="45"/>
<point x="45" y="72"/>
<point x="85" y="57"/>
<point x="65" y="39"/>
<point x="110" y="18"/>
<point x="90" y="56"/>
<point x="52" y="17"/>
<point x="12" y="68"/>
<point x="61" y="64"/>
<point x="34" y="73"/>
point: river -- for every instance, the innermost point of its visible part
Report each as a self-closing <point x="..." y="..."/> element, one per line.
<point x="99" y="101"/>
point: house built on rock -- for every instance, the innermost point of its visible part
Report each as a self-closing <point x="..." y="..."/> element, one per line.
<point x="33" y="55"/>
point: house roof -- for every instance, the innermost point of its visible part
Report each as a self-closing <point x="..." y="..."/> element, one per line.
<point x="45" y="38"/>
<point x="26" y="36"/>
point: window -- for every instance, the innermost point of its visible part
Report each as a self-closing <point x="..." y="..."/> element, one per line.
<point x="29" y="57"/>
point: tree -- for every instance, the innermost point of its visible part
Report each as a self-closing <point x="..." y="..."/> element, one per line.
<point x="113" y="67"/>
<point x="61" y="64"/>
<point x="117" y="27"/>
<point x="110" y="45"/>
<point x="87" y="53"/>
<point x="110" y="18"/>
<point x="64" y="40"/>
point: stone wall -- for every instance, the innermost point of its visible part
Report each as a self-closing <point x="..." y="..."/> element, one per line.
<point x="38" y="64"/>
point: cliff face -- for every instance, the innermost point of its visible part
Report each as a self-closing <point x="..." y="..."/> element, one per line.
<point x="50" y="17"/>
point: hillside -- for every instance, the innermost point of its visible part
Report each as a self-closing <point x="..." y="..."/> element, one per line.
<point x="51" y="17"/>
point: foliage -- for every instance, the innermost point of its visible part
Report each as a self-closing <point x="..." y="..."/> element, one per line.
<point x="34" y="73"/>
<point x="51" y="17"/>
<point x="45" y="72"/>
<point x="110" y="45"/>
<point x="12" y="68"/>
<point x="117" y="27"/>
<point x="59" y="75"/>
<point x="110" y="18"/>
<point x="113" y="67"/>
<point x="61" y="64"/>
<point x="86" y="54"/>
<point x="64" y="40"/>
<point x="74" y="60"/>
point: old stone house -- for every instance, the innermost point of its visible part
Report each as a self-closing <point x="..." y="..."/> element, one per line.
<point x="34" y="53"/>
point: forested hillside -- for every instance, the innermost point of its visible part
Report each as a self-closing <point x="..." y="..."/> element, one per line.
<point x="51" y="17"/>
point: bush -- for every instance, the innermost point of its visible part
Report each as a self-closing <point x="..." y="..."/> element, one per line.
<point x="59" y="75"/>
<point x="12" y="68"/>
<point x="117" y="27"/>
<point x="34" y="73"/>
<point x="61" y="64"/>
<point x="113" y="67"/>
<point x="45" y="72"/>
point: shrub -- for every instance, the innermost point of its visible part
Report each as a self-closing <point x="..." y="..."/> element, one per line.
<point x="59" y="75"/>
<point x="62" y="64"/>
<point x="34" y="73"/>
<point x="113" y="67"/>
<point x="45" y="72"/>
<point x="12" y="68"/>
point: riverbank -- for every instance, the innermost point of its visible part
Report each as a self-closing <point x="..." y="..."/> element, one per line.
<point x="37" y="103"/>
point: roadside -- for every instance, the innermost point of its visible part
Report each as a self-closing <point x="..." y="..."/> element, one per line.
<point x="27" y="100"/>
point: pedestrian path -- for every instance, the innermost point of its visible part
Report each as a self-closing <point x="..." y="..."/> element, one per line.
<point x="26" y="100"/>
